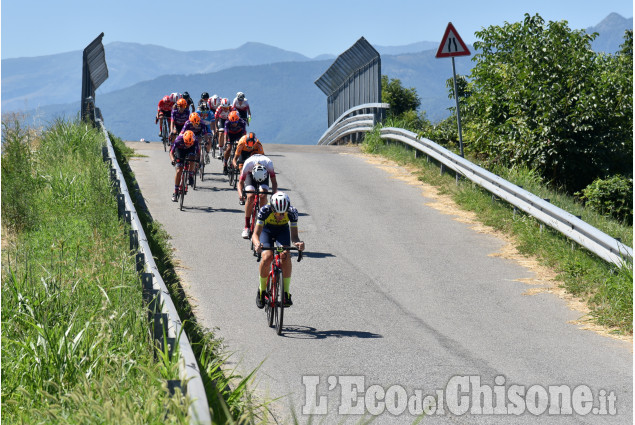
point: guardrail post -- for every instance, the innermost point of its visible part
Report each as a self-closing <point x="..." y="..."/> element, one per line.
<point x="442" y="168"/>
<point x="542" y="226"/>
<point x="127" y="216"/>
<point x="104" y="153"/>
<point x="121" y="204"/>
<point x="134" y="240"/>
<point x="141" y="261"/>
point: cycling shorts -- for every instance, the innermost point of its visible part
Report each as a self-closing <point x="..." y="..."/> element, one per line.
<point x="220" y="124"/>
<point x="250" y="184"/>
<point x="243" y="157"/>
<point x="281" y="234"/>
<point x="180" y="154"/>
<point x="234" y="137"/>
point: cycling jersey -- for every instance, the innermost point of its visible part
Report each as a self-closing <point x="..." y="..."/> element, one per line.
<point x="241" y="105"/>
<point x="235" y="127"/>
<point x="179" y="118"/>
<point x="165" y="106"/>
<point x="222" y="112"/>
<point x="198" y="132"/>
<point x="267" y="217"/>
<point x="206" y="119"/>
<point x="251" y="163"/>
<point x="243" y="147"/>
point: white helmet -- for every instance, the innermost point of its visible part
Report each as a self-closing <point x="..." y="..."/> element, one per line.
<point x="259" y="173"/>
<point x="280" y="202"/>
<point x="175" y="96"/>
<point x="214" y="101"/>
<point x="240" y="95"/>
<point x="224" y="103"/>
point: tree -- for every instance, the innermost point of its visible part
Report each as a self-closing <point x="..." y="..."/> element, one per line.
<point x="539" y="96"/>
<point x="400" y="99"/>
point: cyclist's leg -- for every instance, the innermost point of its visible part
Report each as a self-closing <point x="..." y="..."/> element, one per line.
<point x="284" y="237"/>
<point x="251" y="198"/>
<point x="267" y="257"/>
<point x="179" y="158"/>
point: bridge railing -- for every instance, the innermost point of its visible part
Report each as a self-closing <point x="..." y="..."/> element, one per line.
<point x="596" y="241"/>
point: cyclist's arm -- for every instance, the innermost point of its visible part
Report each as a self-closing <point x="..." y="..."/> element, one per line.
<point x="239" y="149"/>
<point x="255" y="238"/>
<point x="274" y="182"/>
<point x="295" y="238"/>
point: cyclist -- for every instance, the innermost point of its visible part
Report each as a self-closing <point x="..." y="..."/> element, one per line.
<point x="180" y="115"/>
<point x="207" y="119"/>
<point x="247" y="145"/>
<point x="164" y="109"/>
<point x="199" y="130"/>
<point x="221" y="115"/>
<point x="277" y="219"/>
<point x="184" y="145"/>
<point x="234" y="130"/>
<point x="190" y="102"/>
<point x="213" y="103"/>
<point x="203" y="100"/>
<point x="256" y="172"/>
<point x="241" y="105"/>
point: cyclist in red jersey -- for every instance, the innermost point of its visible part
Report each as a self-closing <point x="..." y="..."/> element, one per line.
<point x="164" y="109"/>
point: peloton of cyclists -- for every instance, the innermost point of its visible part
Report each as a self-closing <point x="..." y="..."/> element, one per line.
<point x="247" y="145"/>
<point x="184" y="145"/>
<point x="241" y="105"/>
<point x="235" y="128"/>
<point x="257" y="170"/>
<point x="279" y="220"/>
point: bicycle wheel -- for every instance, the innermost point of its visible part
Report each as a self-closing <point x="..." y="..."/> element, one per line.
<point x="194" y="173"/>
<point x="213" y="150"/>
<point x="230" y="174"/>
<point x="182" y="188"/>
<point x="269" y="302"/>
<point x="279" y="302"/>
<point x="235" y="172"/>
<point x="202" y="170"/>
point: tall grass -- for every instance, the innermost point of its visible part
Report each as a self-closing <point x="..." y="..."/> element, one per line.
<point x="76" y="345"/>
<point x="607" y="289"/>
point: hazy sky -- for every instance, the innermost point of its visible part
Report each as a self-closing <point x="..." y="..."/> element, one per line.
<point x="43" y="27"/>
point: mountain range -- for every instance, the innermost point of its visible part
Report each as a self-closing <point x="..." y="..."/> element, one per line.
<point x="287" y="106"/>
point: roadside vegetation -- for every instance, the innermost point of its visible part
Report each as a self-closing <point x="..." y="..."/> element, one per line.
<point x="76" y="343"/>
<point x="555" y="118"/>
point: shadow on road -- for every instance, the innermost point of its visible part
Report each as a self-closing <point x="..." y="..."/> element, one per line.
<point x="313" y="254"/>
<point x="307" y="332"/>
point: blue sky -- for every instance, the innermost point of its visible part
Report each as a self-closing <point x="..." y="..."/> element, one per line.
<point x="42" y="27"/>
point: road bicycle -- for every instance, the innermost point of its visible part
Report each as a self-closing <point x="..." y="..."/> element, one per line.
<point x="254" y="211"/>
<point x="165" y="133"/>
<point x="190" y="159"/>
<point x="232" y="172"/>
<point x="274" y="294"/>
<point x="203" y="161"/>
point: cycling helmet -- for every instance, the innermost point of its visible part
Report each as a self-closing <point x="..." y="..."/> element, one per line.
<point x="203" y="106"/>
<point x="181" y="103"/>
<point x="215" y="101"/>
<point x="224" y="103"/>
<point x="280" y="202"/>
<point x="240" y="96"/>
<point x="166" y="99"/>
<point x="205" y="95"/>
<point x="186" y="95"/>
<point x="195" y="118"/>
<point x="259" y="173"/>
<point x="188" y="138"/>
<point x="174" y="97"/>
<point x="251" y="139"/>
<point x="233" y="116"/>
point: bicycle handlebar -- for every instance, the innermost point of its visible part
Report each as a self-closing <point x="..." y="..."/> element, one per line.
<point x="280" y="248"/>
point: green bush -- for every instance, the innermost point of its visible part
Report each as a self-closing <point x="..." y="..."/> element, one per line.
<point x="611" y="197"/>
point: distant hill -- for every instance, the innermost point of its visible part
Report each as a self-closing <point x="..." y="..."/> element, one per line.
<point x="408" y="48"/>
<point x="611" y="33"/>
<point x="28" y="83"/>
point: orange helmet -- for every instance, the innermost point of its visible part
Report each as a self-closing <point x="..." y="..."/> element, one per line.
<point x="181" y="103"/>
<point x="188" y="138"/>
<point x="251" y="139"/>
<point x="195" y="118"/>
<point x="233" y="116"/>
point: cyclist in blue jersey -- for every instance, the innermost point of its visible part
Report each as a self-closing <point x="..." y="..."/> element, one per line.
<point x="278" y="219"/>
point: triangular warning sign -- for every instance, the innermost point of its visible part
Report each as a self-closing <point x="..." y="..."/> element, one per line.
<point x="451" y="44"/>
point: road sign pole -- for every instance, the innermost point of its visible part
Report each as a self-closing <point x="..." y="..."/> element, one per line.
<point x="458" y="111"/>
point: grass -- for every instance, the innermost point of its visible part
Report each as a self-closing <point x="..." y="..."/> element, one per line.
<point x="607" y="289"/>
<point x="76" y="345"/>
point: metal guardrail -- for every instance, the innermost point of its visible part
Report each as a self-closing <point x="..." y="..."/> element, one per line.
<point x="596" y="241"/>
<point x="358" y="119"/>
<point x="168" y="329"/>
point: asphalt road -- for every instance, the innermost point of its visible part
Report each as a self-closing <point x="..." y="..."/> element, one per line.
<point x="394" y="301"/>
